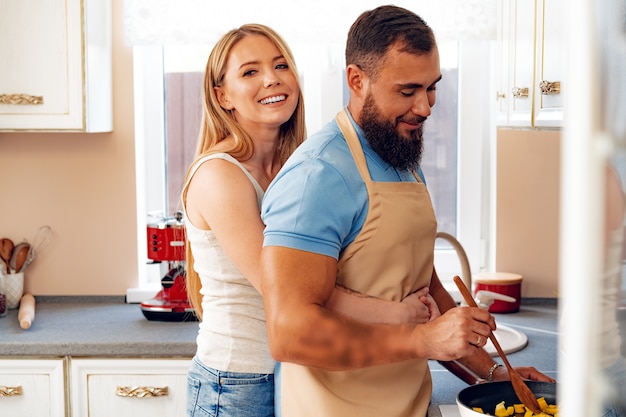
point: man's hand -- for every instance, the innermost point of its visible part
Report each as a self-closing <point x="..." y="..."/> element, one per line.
<point x="455" y="334"/>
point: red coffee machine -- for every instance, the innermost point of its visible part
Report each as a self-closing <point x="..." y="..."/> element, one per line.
<point x="166" y="243"/>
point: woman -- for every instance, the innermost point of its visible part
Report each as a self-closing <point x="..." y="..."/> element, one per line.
<point x="253" y="119"/>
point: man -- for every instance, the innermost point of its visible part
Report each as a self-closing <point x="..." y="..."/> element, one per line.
<point x="350" y="208"/>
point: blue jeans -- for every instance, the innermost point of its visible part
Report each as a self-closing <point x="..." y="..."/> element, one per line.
<point x="277" y="384"/>
<point x="228" y="394"/>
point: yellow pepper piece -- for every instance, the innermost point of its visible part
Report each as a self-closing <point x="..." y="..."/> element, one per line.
<point x="520" y="410"/>
<point x="501" y="410"/>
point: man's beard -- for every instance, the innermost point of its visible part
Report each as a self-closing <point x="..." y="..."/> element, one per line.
<point x="401" y="152"/>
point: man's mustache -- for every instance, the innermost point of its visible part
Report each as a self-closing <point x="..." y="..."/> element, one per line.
<point x="413" y="121"/>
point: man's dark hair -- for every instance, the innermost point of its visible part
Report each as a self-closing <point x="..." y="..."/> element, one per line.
<point x="374" y="31"/>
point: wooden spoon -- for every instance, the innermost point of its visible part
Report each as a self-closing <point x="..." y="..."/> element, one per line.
<point x="524" y="394"/>
<point x="6" y="249"/>
<point x="20" y="253"/>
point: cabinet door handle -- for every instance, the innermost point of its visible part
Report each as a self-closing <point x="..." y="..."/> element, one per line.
<point x="142" y="392"/>
<point x="10" y="391"/>
<point x="519" y="92"/>
<point x="550" y="87"/>
<point x="20" y="99"/>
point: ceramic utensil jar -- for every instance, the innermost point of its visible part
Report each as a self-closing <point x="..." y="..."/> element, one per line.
<point x="3" y="297"/>
<point x="14" y="289"/>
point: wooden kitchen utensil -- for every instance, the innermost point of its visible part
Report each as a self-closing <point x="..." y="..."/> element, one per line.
<point x="20" y="253"/>
<point x="6" y="250"/>
<point x="522" y="391"/>
<point x="26" y="313"/>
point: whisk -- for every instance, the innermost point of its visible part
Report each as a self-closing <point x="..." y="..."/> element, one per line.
<point x="43" y="237"/>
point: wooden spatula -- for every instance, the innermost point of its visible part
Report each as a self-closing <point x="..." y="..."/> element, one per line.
<point x="6" y="250"/>
<point x="522" y="391"/>
<point x="20" y="253"/>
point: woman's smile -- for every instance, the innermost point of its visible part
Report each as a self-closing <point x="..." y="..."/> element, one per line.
<point x="273" y="99"/>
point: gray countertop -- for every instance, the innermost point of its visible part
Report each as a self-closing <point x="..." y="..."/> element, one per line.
<point x="94" y="326"/>
<point x="108" y="327"/>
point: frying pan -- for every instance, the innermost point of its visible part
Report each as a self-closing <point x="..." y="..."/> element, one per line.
<point x="488" y="394"/>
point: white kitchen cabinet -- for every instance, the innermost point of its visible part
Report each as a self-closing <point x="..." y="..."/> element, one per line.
<point x="503" y="96"/>
<point x="56" y="71"/>
<point x="531" y="63"/>
<point x="32" y="387"/>
<point x="550" y="68"/>
<point x="129" y="387"/>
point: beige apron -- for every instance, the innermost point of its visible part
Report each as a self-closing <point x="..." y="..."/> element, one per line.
<point x="391" y="257"/>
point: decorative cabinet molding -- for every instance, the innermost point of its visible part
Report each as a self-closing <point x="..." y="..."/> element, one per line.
<point x="56" y="74"/>
<point x="33" y="387"/>
<point x="531" y="63"/>
<point x="129" y="387"/>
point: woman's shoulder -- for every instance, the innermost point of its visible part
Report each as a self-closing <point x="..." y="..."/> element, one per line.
<point x="215" y="161"/>
<point x="215" y="156"/>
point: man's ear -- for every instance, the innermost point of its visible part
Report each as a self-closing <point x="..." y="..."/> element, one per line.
<point x="222" y="98"/>
<point x="357" y="80"/>
<point x="355" y="77"/>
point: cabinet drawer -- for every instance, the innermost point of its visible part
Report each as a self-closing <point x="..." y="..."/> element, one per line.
<point x="32" y="387"/>
<point x="129" y="387"/>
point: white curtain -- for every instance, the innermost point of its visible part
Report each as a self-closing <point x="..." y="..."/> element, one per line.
<point x="196" y="22"/>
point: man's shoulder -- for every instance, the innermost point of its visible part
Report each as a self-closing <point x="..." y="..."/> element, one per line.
<point x="327" y="133"/>
<point x="324" y="158"/>
<point x="325" y="143"/>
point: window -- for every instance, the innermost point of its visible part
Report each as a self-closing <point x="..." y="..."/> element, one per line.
<point x="168" y="97"/>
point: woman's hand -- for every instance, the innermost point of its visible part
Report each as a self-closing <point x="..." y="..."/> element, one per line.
<point x="417" y="307"/>
<point x="530" y="373"/>
<point x="420" y="307"/>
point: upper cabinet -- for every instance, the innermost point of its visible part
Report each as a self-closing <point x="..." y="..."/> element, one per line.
<point x="56" y="65"/>
<point x="531" y="63"/>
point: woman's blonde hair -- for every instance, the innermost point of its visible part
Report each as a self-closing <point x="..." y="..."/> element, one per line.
<point x="219" y="123"/>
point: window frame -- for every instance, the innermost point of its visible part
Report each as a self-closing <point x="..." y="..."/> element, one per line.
<point x="475" y="140"/>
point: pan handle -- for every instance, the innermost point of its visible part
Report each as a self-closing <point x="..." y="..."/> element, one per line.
<point x="461" y="372"/>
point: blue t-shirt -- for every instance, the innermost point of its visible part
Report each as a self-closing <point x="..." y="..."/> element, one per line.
<point x="318" y="201"/>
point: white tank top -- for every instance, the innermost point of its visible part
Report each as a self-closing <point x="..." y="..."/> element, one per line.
<point x="232" y="335"/>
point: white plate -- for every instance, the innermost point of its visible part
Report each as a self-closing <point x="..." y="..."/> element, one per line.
<point x="510" y="340"/>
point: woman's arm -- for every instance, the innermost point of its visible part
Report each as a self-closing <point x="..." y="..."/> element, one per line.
<point x="418" y="307"/>
<point x="221" y="198"/>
